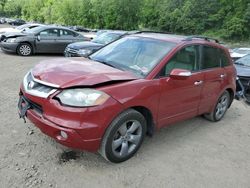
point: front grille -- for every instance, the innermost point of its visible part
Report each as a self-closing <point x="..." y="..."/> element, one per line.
<point x="34" y="106"/>
<point x="71" y="50"/>
<point x="37" y="88"/>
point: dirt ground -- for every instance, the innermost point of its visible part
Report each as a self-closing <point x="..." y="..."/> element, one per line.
<point x="194" y="153"/>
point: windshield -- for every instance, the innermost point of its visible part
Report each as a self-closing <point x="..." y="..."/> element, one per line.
<point x="106" y="38"/>
<point x="21" y="27"/>
<point x="135" y="54"/>
<point x="34" y="29"/>
<point x="242" y="51"/>
<point x="244" y="61"/>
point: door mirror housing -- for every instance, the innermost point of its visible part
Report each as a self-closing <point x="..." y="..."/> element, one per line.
<point x="180" y="74"/>
<point x="38" y="37"/>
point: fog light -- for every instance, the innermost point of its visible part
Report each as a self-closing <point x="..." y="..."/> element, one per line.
<point x="64" y="134"/>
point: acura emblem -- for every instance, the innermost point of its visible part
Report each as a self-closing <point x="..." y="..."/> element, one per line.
<point x="31" y="84"/>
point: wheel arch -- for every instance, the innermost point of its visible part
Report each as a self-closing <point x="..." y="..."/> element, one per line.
<point x="26" y="42"/>
<point x="231" y="93"/>
<point x="148" y="116"/>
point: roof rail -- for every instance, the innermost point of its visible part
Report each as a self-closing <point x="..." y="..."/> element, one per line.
<point x="147" y="31"/>
<point x="201" y="37"/>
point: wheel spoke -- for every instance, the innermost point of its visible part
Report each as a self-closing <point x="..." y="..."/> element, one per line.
<point x="123" y="129"/>
<point x="135" y="139"/>
<point x="124" y="149"/>
<point x="117" y="143"/>
<point x="133" y="127"/>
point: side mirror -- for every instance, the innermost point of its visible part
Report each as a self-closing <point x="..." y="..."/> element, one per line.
<point x="38" y="37"/>
<point x="180" y="74"/>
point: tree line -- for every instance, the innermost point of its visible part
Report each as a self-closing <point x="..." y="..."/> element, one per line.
<point x="228" y="19"/>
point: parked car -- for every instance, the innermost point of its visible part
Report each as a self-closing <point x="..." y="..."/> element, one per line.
<point x="85" y="48"/>
<point x="2" y="20"/>
<point x="21" y="28"/>
<point x="239" y="53"/>
<point x="133" y="86"/>
<point x="243" y="72"/>
<point x="16" y="22"/>
<point x="42" y="39"/>
<point x="79" y="29"/>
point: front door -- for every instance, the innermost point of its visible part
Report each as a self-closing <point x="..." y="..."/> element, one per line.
<point x="180" y="98"/>
<point x="47" y="41"/>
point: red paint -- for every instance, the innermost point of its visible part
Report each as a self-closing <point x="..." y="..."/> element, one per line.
<point x="169" y="99"/>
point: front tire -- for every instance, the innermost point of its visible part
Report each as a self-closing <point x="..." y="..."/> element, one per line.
<point x="220" y="109"/>
<point x="24" y="49"/>
<point x="123" y="137"/>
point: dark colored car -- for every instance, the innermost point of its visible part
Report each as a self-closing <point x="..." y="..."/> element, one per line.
<point x="42" y="39"/>
<point x="17" y="22"/>
<point x="133" y="86"/>
<point x="243" y="72"/>
<point x="83" y="49"/>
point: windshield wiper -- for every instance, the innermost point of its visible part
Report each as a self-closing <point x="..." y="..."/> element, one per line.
<point x="105" y="63"/>
<point x="238" y="63"/>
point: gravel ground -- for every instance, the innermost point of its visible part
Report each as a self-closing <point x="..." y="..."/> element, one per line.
<point x="194" y="153"/>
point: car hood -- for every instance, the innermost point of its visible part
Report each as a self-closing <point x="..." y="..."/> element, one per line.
<point x="237" y="55"/>
<point x="4" y="30"/>
<point x="243" y="70"/>
<point x="85" y="44"/>
<point x="14" y="34"/>
<point x="73" y="72"/>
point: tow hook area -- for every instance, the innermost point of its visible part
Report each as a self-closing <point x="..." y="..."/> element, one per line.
<point x="23" y="106"/>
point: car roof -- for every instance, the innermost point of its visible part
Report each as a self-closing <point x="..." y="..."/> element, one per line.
<point x="175" y="38"/>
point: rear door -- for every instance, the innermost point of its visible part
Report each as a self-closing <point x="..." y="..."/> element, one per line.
<point x="215" y="77"/>
<point x="180" y="98"/>
<point x="66" y="37"/>
<point x="47" y="41"/>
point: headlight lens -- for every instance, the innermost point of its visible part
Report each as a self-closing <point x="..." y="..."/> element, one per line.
<point x="84" y="52"/>
<point x="82" y="97"/>
<point x="11" y="40"/>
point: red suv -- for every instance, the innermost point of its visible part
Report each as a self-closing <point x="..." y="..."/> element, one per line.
<point x="128" y="89"/>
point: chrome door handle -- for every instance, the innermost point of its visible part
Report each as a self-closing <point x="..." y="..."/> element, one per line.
<point x="198" y="82"/>
<point x="222" y="76"/>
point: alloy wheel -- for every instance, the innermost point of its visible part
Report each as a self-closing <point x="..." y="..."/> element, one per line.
<point x="127" y="138"/>
<point x="25" y="50"/>
<point x="222" y="106"/>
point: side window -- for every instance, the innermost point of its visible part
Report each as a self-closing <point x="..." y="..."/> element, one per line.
<point x="49" y="33"/>
<point x="211" y="57"/>
<point x="187" y="58"/>
<point x="224" y="59"/>
<point x="66" y="33"/>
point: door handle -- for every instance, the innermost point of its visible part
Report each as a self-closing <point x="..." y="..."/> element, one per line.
<point x="198" y="82"/>
<point x="222" y="75"/>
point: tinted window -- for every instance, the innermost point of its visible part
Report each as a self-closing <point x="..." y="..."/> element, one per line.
<point x="224" y="59"/>
<point x="211" y="57"/>
<point x="187" y="58"/>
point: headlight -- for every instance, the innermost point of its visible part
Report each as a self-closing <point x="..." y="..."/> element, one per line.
<point x="11" y="40"/>
<point x="82" y="97"/>
<point x="84" y="52"/>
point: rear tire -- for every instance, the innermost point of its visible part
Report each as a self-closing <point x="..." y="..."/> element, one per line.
<point x="123" y="137"/>
<point x="24" y="49"/>
<point x="220" y="108"/>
